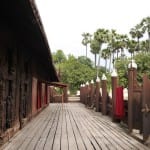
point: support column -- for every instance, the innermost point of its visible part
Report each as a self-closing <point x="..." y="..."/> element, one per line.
<point x="65" y="95"/>
<point x="114" y="77"/>
<point x="132" y="71"/>
<point x="104" y="94"/>
<point x="91" y="93"/>
<point x="81" y="93"/>
<point x="87" y="93"/>
<point x="97" y="93"/>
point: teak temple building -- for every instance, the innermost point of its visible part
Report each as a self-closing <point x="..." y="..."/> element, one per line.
<point x="26" y="65"/>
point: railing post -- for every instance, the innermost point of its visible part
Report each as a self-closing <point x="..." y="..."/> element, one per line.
<point x="104" y="94"/>
<point x="87" y="93"/>
<point x="97" y="93"/>
<point x="83" y="94"/>
<point x="114" y="77"/>
<point x="132" y="71"/>
<point x="91" y="93"/>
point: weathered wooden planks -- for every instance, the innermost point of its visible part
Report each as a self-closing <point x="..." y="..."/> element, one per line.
<point x="71" y="126"/>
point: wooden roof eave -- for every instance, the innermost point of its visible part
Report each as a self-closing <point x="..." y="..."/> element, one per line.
<point x="21" y="17"/>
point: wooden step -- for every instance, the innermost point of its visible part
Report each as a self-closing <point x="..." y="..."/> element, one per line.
<point x="73" y="99"/>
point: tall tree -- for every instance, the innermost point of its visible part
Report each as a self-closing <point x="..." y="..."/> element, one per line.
<point x="86" y="61"/>
<point x="112" y="46"/>
<point x="86" y="40"/>
<point x="59" y="57"/>
<point x="76" y="72"/>
<point x="131" y="46"/>
<point x="121" y="43"/>
<point x="106" y="55"/>
<point x="144" y="46"/>
<point x="94" y="45"/>
<point x="102" y="36"/>
<point x="137" y="33"/>
<point x="145" y="23"/>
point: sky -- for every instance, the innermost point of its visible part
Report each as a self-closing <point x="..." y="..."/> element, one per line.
<point x="65" y="20"/>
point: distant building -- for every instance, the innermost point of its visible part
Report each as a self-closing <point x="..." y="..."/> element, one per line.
<point x="26" y="65"/>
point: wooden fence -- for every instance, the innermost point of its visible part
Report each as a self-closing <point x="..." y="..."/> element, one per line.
<point x="134" y="111"/>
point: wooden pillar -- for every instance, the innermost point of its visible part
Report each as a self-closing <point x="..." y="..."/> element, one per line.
<point x="104" y="94"/>
<point x="65" y="96"/>
<point x="114" y="77"/>
<point x="87" y="93"/>
<point x="97" y="93"/>
<point x="132" y="72"/>
<point x="83" y="93"/>
<point x="91" y="93"/>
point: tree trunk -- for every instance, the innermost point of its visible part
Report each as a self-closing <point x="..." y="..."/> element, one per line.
<point x="95" y="59"/>
<point x="117" y="54"/>
<point x="138" y="40"/>
<point x="98" y="65"/>
<point x="105" y="65"/>
<point x="113" y="61"/>
<point x="110" y="64"/>
<point x="86" y="50"/>
<point x="122" y="53"/>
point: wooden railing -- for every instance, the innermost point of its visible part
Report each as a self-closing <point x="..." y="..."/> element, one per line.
<point x="136" y="108"/>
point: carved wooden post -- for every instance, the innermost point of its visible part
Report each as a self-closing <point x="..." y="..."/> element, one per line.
<point x="114" y="86"/>
<point x="65" y="95"/>
<point x="104" y="94"/>
<point x="132" y="71"/>
<point x="81" y="88"/>
<point x="84" y="93"/>
<point x="87" y="93"/>
<point x="97" y="93"/>
<point x="91" y="92"/>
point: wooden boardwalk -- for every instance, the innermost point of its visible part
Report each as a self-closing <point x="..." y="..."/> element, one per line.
<point x="71" y="126"/>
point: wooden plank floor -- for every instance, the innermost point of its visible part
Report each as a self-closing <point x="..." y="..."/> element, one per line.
<point x="71" y="126"/>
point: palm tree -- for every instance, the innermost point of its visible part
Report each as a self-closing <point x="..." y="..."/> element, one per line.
<point x="145" y="23"/>
<point x="102" y="36"/>
<point x="106" y="55"/>
<point x="112" y="46"/>
<point x="121" y="42"/>
<point x="144" y="46"/>
<point x="94" y="45"/>
<point x="86" y="39"/>
<point x="132" y="44"/>
<point x="137" y="33"/>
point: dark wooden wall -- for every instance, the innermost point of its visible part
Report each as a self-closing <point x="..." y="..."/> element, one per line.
<point x="22" y="90"/>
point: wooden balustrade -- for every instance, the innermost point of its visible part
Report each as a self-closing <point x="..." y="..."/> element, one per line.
<point x="136" y="107"/>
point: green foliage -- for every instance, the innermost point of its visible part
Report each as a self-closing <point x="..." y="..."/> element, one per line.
<point x="85" y="61"/>
<point x="59" y="57"/>
<point x="76" y="73"/>
<point x="143" y="65"/>
<point x="101" y="35"/>
<point x="86" y="38"/>
<point x="122" y="70"/>
<point x="94" y="45"/>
